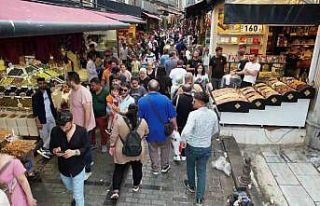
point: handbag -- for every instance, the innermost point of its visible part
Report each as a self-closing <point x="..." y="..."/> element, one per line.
<point x="168" y="125"/>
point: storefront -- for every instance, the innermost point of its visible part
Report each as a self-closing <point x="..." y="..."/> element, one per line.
<point x="46" y="43"/>
<point x="286" y="48"/>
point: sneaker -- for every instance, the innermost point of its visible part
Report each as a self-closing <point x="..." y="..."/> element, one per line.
<point x="190" y="189"/>
<point x="183" y="158"/>
<point x="114" y="196"/>
<point x="155" y="172"/>
<point x="177" y="158"/>
<point x="104" y="149"/>
<point x="91" y="163"/>
<point x="199" y="202"/>
<point x="87" y="175"/>
<point x="93" y="147"/>
<point x="165" y="169"/>
<point x="44" y="153"/>
<point x="136" y="188"/>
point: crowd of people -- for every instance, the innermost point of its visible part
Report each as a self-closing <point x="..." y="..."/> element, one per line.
<point x="157" y="90"/>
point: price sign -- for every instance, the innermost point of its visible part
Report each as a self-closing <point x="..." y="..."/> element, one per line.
<point x="251" y="28"/>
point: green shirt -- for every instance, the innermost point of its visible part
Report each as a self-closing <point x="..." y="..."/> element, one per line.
<point x="99" y="102"/>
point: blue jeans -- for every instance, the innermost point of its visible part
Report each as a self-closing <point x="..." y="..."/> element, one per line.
<point x="197" y="158"/>
<point x="76" y="185"/>
<point x="216" y="83"/>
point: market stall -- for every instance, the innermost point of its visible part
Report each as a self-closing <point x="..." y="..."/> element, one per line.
<point x="277" y="102"/>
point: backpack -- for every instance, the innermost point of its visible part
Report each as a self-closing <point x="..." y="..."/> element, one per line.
<point x="4" y="187"/>
<point x="132" y="144"/>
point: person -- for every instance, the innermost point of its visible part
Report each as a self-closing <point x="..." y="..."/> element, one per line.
<point x="121" y="130"/>
<point x="113" y="101"/>
<point x="216" y="68"/>
<point x="99" y="95"/>
<point x="135" y="65"/>
<point x="150" y="57"/>
<point x="250" y="71"/>
<point x="123" y="53"/>
<point x="125" y="72"/>
<point x="91" y="66"/>
<point x="13" y="173"/>
<point x="171" y="63"/>
<point x="157" y="110"/>
<point x="164" y="57"/>
<point x="126" y="99"/>
<point x="242" y="59"/>
<point x="143" y="77"/>
<point x="180" y="46"/>
<point x="69" y="142"/>
<point x="206" y="58"/>
<point x="164" y="81"/>
<point x="116" y="73"/>
<point x="99" y="65"/>
<point x="151" y="71"/>
<point x="82" y="111"/>
<point x="183" y="103"/>
<point x="106" y="75"/>
<point x="189" y="79"/>
<point x="137" y="91"/>
<point x="177" y="77"/>
<point x="196" y="139"/>
<point x="200" y="76"/>
<point x="191" y="65"/>
<point x="45" y="114"/>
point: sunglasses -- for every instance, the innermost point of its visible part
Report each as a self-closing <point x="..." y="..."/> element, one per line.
<point x="124" y="90"/>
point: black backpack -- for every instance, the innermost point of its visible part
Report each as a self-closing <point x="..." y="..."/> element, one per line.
<point x="132" y="144"/>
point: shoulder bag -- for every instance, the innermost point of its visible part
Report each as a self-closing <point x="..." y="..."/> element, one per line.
<point x="168" y="125"/>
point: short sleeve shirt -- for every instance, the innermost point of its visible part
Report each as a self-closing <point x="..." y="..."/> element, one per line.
<point x="78" y="99"/>
<point x="217" y="64"/>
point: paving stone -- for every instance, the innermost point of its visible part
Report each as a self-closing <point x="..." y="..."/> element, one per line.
<point x="312" y="185"/>
<point x="296" y="195"/>
<point x="283" y="174"/>
<point x="272" y="157"/>
<point x="300" y="169"/>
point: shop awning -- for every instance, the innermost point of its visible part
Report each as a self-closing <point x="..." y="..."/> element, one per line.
<point x="151" y="16"/>
<point x="123" y="17"/>
<point x="22" y="18"/>
<point x="198" y="8"/>
<point x="272" y="12"/>
<point x="119" y="7"/>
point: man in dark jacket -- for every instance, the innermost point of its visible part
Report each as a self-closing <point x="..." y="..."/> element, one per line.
<point x="184" y="106"/>
<point x="45" y="114"/>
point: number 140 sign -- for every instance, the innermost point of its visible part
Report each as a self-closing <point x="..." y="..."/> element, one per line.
<point x="251" y="28"/>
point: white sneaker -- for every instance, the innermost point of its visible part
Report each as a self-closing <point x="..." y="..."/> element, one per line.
<point x="177" y="158"/>
<point x="104" y="149"/>
<point x="92" y="163"/>
<point x="87" y="175"/>
<point x="183" y="158"/>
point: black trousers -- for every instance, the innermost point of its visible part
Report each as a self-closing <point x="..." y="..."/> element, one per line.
<point x="246" y="84"/>
<point x="119" y="170"/>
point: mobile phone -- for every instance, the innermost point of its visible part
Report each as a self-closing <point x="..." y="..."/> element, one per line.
<point x="60" y="153"/>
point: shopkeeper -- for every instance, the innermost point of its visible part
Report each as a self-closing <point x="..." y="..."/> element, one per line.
<point x="250" y="71"/>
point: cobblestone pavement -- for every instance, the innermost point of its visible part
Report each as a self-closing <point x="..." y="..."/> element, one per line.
<point x="167" y="189"/>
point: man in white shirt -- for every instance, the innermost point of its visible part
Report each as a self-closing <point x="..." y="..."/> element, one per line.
<point x="177" y="76"/>
<point x="150" y="57"/>
<point x="250" y="71"/>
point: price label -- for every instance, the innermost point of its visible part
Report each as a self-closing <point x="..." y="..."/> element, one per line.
<point x="251" y="28"/>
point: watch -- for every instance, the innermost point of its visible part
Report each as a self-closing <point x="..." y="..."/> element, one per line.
<point x="77" y="152"/>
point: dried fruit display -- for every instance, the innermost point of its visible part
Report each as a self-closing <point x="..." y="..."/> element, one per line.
<point x="6" y="81"/>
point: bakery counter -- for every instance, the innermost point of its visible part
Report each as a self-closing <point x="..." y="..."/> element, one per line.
<point x="289" y="114"/>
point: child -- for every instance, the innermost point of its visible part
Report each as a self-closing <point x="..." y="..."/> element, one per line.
<point x="113" y="101"/>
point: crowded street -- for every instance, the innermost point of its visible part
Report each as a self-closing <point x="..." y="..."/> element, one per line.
<point x="166" y="102"/>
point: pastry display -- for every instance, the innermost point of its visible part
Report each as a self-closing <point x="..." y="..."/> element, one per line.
<point x="305" y="91"/>
<point x="255" y="98"/>
<point x="6" y="82"/>
<point x="230" y="100"/>
<point x="18" y="148"/>
<point x="271" y="96"/>
<point x="289" y="94"/>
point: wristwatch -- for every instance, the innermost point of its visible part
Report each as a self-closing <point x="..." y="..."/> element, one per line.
<point x="77" y="152"/>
